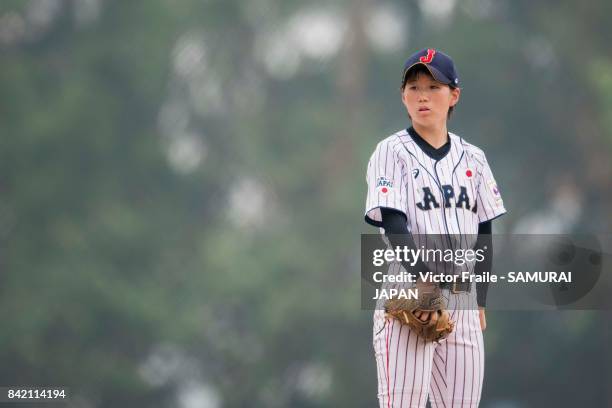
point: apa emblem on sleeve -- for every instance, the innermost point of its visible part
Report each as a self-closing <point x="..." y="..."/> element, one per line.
<point x="384" y="185"/>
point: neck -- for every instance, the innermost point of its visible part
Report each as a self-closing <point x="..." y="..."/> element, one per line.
<point x="436" y="136"/>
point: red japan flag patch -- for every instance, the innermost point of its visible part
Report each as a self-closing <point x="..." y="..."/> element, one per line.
<point x="384" y="185"/>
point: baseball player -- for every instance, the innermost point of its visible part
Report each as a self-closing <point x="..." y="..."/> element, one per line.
<point x="425" y="181"/>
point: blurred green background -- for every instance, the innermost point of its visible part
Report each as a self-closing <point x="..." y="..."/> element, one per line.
<point x="182" y="187"/>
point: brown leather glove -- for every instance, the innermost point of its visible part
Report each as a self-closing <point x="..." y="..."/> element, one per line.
<point x="437" y="327"/>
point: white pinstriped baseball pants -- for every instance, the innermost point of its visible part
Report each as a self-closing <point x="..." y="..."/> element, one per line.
<point x="450" y="372"/>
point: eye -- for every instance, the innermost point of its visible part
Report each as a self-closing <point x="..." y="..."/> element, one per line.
<point x="412" y="87"/>
<point x="434" y="87"/>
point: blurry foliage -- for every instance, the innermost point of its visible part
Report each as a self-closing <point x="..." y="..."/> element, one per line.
<point x="110" y="250"/>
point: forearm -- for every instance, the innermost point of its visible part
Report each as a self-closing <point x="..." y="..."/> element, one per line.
<point x="485" y="239"/>
<point x="396" y="230"/>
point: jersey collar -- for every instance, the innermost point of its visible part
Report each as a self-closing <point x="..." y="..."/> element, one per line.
<point x="429" y="150"/>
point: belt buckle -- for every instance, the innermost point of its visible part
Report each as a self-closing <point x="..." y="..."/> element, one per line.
<point x="454" y="289"/>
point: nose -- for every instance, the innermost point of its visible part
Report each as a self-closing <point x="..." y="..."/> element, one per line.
<point x="422" y="95"/>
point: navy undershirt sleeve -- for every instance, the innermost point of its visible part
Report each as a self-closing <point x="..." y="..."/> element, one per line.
<point x="484" y="239"/>
<point x="394" y="221"/>
<point x="396" y="228"/>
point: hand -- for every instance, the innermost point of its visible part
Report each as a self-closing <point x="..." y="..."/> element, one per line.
<point x="483" y="318"/>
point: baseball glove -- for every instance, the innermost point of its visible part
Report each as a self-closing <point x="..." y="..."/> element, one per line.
<point x="439" y="324"/>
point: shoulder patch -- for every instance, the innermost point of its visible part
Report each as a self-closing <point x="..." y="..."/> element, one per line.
<point x="384" y="185"/>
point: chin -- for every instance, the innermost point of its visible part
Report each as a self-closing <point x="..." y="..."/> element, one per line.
<point x="424" y="122"/>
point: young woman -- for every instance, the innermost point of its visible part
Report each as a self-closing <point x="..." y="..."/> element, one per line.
<point x="425" y="181"/>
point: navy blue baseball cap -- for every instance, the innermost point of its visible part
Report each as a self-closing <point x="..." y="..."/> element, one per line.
<point x="440" y="66"/>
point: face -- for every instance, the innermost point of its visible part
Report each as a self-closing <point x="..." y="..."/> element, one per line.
<point x="428" y="100"/>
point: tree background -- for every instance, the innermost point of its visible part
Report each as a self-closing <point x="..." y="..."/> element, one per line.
<point x="182" y="187"/>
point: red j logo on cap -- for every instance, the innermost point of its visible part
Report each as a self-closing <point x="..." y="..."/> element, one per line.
<point x="426" y="59"/>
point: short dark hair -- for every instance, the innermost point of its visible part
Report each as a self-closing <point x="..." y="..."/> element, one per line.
<point x="413" y="74"/>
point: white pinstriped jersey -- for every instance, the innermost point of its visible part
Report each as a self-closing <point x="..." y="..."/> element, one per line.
<point x="444" y="200"/>
<point x="447" y="196"/>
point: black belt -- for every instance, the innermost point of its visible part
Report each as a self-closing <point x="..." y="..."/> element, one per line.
<point x="457" y="287"/>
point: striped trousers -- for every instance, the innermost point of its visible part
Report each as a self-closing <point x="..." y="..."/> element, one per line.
<point x="450" y="373"/>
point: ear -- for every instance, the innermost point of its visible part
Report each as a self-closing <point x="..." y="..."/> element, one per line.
<point x="403" y="95"/>
<point x="455" y="94"/>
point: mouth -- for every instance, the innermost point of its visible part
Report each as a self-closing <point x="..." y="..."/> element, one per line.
<point x="424" y="109"/>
